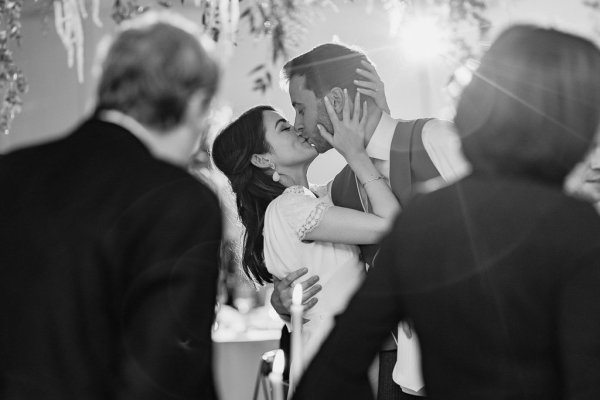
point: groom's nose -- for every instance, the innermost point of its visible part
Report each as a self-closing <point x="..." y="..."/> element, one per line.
<point x="298" y="125"/>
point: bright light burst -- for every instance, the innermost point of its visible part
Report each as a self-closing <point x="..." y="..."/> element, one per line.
<point x="422" y="38"/>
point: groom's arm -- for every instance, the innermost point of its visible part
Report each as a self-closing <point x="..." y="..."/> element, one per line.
<point x="340" y="368"/>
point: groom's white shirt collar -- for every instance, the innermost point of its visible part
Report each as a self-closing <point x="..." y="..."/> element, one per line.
<point x="379" y="150"/>
<point x="381" y="142"/>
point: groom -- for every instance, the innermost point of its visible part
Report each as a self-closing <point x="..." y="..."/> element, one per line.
<point x="406" y="153"/>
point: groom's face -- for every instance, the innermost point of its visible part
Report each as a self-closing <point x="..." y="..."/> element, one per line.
<point x="310" y="111"/>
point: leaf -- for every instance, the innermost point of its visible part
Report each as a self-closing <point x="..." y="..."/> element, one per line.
<point x="245" y="13"/>
<point x="256" y="69"/>
<point x="260" y="87"/>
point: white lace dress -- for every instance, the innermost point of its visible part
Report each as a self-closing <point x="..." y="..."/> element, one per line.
<point x="287" y="220"/>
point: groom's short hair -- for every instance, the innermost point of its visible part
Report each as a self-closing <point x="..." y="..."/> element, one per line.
<point x="327" y="66"/>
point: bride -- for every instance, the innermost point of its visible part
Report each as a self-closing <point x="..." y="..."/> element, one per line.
<point x="290" y="223"/>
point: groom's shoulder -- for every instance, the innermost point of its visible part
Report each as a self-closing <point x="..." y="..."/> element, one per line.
<point x="439" y="128"/>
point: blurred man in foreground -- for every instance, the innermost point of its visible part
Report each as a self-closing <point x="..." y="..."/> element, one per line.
<point x="110" y="249"/>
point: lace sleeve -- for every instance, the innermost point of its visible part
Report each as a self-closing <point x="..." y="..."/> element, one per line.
<point x="302" y="211"/>
<point x="313" y="220"/>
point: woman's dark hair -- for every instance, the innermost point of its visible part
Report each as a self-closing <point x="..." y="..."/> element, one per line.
<point x="533" y="105"/>
<point x="254" y="189"/>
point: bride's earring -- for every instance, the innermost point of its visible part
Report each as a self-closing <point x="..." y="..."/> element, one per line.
<point x="276" y="177"/>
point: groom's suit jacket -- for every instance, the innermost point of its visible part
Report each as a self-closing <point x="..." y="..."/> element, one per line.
<point x="409" y="165"/>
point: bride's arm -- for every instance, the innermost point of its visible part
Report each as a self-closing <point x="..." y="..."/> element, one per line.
<point x="344" y="225"/>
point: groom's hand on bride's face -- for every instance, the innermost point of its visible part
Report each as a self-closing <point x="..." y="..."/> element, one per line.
<point x="281" y="299"/>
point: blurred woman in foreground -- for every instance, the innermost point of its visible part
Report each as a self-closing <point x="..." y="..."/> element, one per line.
<point x="500" y="272"/>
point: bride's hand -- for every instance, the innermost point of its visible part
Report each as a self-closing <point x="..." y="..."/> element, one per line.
<point x="373" y="86"/>
<point x="348" y="135"/>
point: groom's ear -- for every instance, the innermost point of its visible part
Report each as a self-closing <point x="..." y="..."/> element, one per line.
<point x="336" y="98"/>
<point x="260" y="161"/>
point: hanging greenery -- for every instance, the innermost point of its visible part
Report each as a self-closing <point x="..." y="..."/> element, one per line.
<point x="594" y="6"/>
<point x="12" y="80"/>
<point x="282" y="22"/>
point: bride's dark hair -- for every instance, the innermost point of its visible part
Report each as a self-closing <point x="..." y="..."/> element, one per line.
<point x="254" y="189"/>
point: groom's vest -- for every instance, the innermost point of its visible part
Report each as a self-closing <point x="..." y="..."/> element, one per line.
<point x="409" y="165"/>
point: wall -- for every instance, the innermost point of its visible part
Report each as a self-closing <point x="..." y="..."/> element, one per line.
<point x="56" y="101"/>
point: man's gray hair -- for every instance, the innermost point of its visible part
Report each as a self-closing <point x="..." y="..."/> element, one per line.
<point x="152" y="68"/>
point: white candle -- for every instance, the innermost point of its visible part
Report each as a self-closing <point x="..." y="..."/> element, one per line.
<point x="276" y="375"/>
<point x="297" y="310"/>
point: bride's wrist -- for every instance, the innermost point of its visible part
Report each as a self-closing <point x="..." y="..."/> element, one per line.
<point x="372" y="179"/>
<point x="356" y="156"/>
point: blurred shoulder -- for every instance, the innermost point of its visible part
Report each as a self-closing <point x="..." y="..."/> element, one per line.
<point x="441" y="129"/>
<point x="174" y="185"/>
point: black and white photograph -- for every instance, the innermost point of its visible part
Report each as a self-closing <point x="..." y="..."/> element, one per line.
<point x="299" y="199"/>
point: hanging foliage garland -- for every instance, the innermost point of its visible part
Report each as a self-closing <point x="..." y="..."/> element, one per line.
<point x="282" y="22"/>
<point x="12" y="81"/>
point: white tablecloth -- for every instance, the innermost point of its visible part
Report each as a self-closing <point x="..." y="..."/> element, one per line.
<point x="237" y="360"/>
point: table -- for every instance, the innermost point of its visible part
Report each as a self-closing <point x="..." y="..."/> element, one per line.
<point x="237" y="360"/>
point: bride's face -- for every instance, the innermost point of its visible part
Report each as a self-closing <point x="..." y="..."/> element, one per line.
<point x="287" y="148"/>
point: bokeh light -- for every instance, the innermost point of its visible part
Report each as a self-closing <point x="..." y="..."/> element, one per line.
<point x="422" y="39"/>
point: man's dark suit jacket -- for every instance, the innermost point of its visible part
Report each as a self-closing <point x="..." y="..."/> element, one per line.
<point x="108" y="272"/>
<point x="501" y="277"/>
